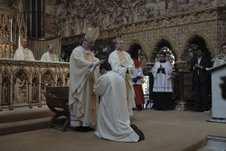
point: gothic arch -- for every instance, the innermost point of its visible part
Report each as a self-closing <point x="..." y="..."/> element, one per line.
<point x="195" y="39"/>
<point x="48" y="76"/>
<point x="160" y="44"/>
<point x="159" y="39"/>
<point x="35" y="88"/>
<point x="136" y="41"/>
<point x="19" y="71"/>
<point x="5" y="89"/>
<point x="47" y="71"/>
<point x="20" y="86"/>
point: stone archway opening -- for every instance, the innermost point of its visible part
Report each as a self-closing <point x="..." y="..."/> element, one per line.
<point x="164" y="46"/>
<point x="188" y="54"/>
<point x="136" y="52"/>
<point x="190" y="48"/>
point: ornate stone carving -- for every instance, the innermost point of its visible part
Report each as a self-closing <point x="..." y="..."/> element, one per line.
<point x="74" y="16"/>
<point x="24" y="83"/>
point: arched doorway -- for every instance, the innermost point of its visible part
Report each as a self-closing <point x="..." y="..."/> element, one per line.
<point x="136" y="52"/>
<point x="188" y="55"/>
<point x="164" y="46"/>
<point x="190" y="48"/>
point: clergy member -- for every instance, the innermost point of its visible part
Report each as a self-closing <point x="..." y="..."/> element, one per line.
<point x="113" y="118"/>
<point x="162" y="73"/>
<point x="82" y="99"/>
<point x="122" y="64"/>
<point x="137" y="84"/>
<point x="221" y="58"/>
<point x="50" y="56"/>
<point x="24" y="53"/>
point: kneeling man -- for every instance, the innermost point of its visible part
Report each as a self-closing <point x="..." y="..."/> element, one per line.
<point x="113" y="118"/>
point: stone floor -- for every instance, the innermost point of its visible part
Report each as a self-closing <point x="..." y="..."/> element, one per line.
<point x="164" y="131"/>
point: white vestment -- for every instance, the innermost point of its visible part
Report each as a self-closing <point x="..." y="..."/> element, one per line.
<point x="120" y="67"/>
<point x="80" y="99"/>
<point x="138" y="72"/>
<point x="24" y="54"/>
<point x="49" y="57"/>
<point x="219" y="60"/>
<point x="113" y="118"/>
<point x="162" y="82"/>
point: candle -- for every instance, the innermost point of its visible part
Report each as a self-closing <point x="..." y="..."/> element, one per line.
<point x="11" y="30"/>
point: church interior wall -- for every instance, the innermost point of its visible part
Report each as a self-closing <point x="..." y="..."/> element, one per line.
<point x="177" y="37"/>
<point x="137" y="21"/>
<point x="74" y="16"/>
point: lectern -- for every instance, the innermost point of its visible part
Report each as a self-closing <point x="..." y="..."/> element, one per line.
<point x="218" y="77"/>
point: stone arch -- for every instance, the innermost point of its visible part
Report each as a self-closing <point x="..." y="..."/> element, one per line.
<point x="35" y="91"/>
<point x="48" y="80"/>
<point x="49" y="77"/>
<point x="191" y="42"/>
<point x="136" y="41"/>
<point x="133" y="50"/>
<point x="48" y="71"/>
<point x="19" y="71"/>
<point x="161" y="44"/>
<point x="5" y="88"/>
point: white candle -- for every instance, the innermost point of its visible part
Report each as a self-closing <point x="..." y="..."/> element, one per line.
<point x="11" y="30"/>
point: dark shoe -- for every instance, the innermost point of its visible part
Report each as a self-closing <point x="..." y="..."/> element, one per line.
<point x="84" y="129"/>
<point x="139" y="107"/>
<point x="138" y="131"/>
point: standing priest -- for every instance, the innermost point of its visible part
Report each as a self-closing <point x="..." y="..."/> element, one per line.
<point x="122" y="64"/>
<point x="50" y="56"/>
<point x="83" y="69"/>
<point x="24" y="53"/>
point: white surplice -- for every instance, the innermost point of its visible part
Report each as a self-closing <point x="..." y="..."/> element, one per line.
<point x="113" y="118"/>
<point x="138" y="72"/>
<point x="162" y="82"/>
<point x="49" y="57"/>
<point x="24" y="54"/>
<point x="80" y="84"/>
<point x="120" y="67"/>
<point x="219" y="60"/>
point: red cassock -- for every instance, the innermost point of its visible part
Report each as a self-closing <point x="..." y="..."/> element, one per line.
<point x="139" y="99"/>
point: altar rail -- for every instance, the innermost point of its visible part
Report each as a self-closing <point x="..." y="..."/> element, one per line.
<point x="23" y="83"/>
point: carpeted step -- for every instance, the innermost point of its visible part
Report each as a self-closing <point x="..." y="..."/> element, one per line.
<point x="25" y="125"/>
<point x="26" y="114"/>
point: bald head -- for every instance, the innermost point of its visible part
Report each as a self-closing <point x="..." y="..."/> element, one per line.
<point x="24" y="43"/>
<point x="50" y="48"/>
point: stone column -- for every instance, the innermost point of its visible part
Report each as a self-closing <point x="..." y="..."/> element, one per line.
<point x="63" y="79"/>
<point x="11" y="93"/>
<point x="0" y="89"/>
<point x="39" y="90"/>
<point x="180" y="65"/>
<point x="30" y="102"/>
